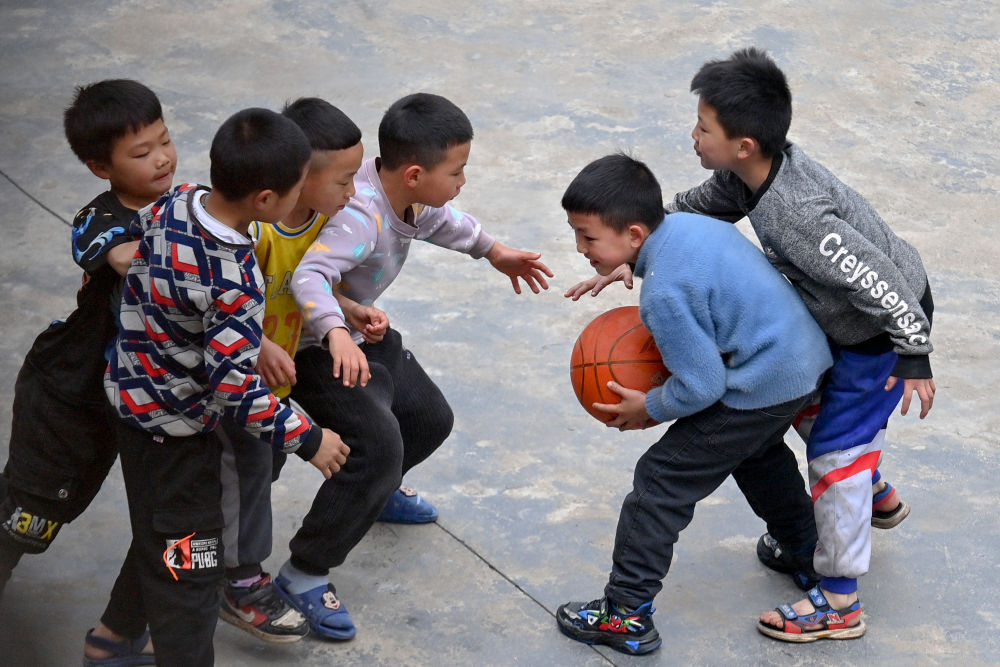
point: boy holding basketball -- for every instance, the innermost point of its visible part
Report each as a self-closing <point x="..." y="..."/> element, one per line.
<point x="865" y="286"/>
<point x="400" y="417"/>
<point x="744" y="362"/>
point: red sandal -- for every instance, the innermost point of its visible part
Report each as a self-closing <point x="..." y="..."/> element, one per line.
<point x="833" y="623"/>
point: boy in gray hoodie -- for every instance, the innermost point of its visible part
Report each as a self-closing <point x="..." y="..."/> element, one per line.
<point x="865" y="286"/>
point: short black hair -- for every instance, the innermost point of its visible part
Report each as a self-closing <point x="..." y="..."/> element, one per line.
<point x="103" y="112"/>
<point x="257" y="149"/>
<point x="327" y="127"/>
<point x="619" y="189"/>
<point x="751" y="96"/>
<point x="419" y="129"/>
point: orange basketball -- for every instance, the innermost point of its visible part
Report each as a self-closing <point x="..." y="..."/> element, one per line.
<point x="615" y="346"/>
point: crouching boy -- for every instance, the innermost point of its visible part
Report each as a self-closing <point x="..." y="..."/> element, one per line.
<point x="745" y="355"/>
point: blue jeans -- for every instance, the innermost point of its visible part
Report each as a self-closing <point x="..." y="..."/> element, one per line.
<point x="690" y="461"/>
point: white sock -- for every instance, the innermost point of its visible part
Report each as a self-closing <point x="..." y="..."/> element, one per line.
<point x="299" y="581"/>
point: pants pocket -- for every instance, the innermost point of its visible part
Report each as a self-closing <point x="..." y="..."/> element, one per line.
<point x="192" y="541"/>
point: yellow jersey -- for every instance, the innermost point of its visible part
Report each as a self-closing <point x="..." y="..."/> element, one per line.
<point x="278" y="251"/>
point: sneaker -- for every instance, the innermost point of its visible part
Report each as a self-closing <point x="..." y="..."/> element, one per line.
<point x="771" y="554"/>
<point x="604" y="622"/>
<point x="260" y="611"/>
<point x="406" y="506"/>
<point x="326" y="615"/>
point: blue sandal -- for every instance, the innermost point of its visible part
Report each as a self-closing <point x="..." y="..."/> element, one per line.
<point x="407" y="506"/>
<point x="327" y="616"/>
<point x="125" y="653"/>
<point x="834" y="623"/>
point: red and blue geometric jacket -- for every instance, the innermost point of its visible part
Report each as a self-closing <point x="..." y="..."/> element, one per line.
<point x="190" y="332"/>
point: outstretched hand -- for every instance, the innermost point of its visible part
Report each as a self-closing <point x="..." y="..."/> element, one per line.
<point x="519" y="264"/>
<point x="924" y="387"/>
<point x="595" y="284"/>
<point x="630" y="414"/>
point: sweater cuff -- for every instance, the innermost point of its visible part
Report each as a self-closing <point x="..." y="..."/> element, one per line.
<point x="322" y="327"/>
<point x="483" y="245"/>
<point x="654" y="405"/>
<point x="310" y="445"/>
<point x="913" y="367"/>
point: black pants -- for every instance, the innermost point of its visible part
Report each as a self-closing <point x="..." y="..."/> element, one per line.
<point x="391" y="425"/>
<point x="174" y="499"/>
<point x="60" y="453"/>
<point x="687" y="464"/>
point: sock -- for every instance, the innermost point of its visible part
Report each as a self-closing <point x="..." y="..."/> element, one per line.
<point x="296" y="581"/>
<point x="245" y="583"/>
<point x="841" y="585"/>
<point x="251" y="571"/>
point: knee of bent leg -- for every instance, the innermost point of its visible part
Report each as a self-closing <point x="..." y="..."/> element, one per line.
<point x="444" y="422"/>
<point x="436" y="422"/>
<point x="385" y="457"/>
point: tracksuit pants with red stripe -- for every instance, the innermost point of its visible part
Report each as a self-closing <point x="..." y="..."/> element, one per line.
<point x="843" y="451"/>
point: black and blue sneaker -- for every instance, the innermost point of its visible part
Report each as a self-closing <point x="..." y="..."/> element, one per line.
<point x="799" y="567"/>
<point x="602" y="621"/>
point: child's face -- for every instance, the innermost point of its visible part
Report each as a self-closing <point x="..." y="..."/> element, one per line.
<point x="142" y="165"/>
<point x="330" y="183"/>
<point x="606" y="248"/>
<point x="437" y="186"/>
<point x="716" y="150"/>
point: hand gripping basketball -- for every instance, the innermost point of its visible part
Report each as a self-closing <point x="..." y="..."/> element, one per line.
<point x="614" y="346"/>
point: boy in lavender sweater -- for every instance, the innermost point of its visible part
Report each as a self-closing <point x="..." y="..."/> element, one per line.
<point x="400" y="417"/>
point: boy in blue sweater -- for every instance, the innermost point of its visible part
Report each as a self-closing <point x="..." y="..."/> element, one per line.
<point x="745" y="355"/>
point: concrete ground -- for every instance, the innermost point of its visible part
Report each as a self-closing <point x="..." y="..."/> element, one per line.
<point x="898" y="97"/>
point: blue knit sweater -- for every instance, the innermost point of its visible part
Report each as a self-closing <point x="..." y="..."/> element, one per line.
<point x="729" y="326"/>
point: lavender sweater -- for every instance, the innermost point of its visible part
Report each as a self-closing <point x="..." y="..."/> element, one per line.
<point x="362" y="249"/>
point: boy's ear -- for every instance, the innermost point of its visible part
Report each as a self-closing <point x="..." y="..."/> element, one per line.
<point x="412" y="174"/>
<point x="637" y="234"/>
<point x="263" y="198"/>
<point x="747" y="148"/>
<point x="98" y="169"/>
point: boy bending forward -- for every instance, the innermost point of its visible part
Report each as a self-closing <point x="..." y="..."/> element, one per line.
<point x="190" y="334"/>
<point x="746" y="357"/>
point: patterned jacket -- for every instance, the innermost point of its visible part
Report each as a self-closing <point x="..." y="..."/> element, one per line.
<point x="190" y="330"/>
